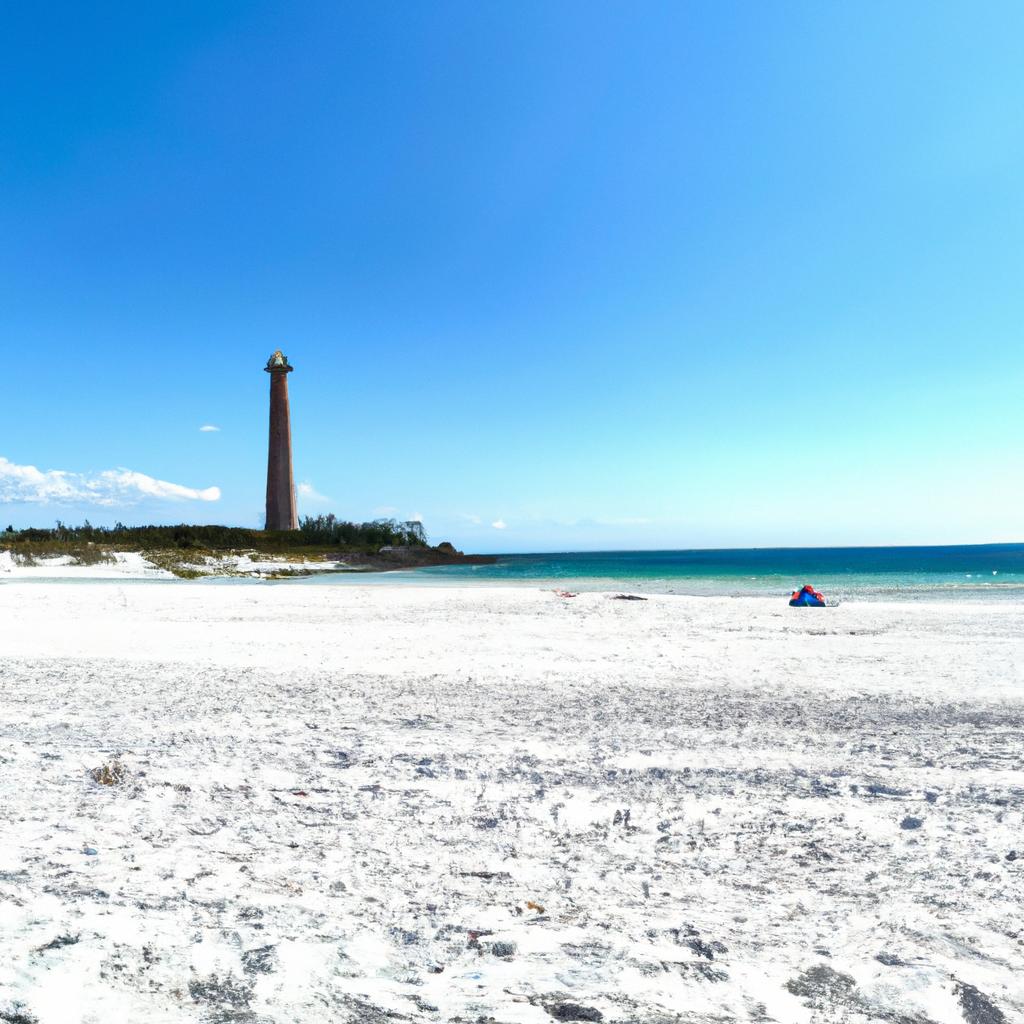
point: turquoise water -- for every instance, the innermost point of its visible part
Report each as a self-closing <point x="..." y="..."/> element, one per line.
<point x="989" y="572"/>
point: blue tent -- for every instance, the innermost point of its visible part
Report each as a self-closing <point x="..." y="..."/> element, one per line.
<point x="808" y="597"/>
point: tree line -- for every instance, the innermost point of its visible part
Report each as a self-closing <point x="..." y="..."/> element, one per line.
<point x="324" y="531"/>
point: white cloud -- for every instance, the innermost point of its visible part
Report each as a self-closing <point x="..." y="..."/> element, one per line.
<point x="309" y="492"/>
<point x="29" y="485"/>
<point x="209" y="428"/>
<point x="416" y="517"/>
<point x="385" y="510"/>
<point x="127" y="480"/>
<point x="500" y="524"/>
<point x="470" y="518"/>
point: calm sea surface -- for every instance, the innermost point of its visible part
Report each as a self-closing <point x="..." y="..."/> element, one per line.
<point x="989" y="572"/>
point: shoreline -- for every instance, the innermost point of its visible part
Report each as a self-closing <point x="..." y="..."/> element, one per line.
<point x="991" y="596"/>
<point x="912" y="577"/>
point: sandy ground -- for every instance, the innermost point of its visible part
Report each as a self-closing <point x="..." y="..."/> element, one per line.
<point x="133" y="565"/>
<point x="394" y="803"/>
<point x="126" y="565"/>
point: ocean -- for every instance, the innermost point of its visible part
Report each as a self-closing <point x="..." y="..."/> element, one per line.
<point x="984" y="571"/>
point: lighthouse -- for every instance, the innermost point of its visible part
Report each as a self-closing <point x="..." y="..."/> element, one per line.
<point x="281" y="511"/>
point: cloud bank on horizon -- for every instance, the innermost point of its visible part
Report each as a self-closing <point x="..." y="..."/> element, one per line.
<point x="109" y="488"/>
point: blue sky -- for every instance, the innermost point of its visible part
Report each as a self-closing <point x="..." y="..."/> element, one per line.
<point x="552" y="276"/>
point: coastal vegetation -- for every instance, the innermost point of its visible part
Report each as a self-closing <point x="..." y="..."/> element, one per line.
<point x="319" y="533"/>
<point x="188" y="549"/>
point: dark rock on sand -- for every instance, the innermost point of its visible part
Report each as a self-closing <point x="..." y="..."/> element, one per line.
<point x="879" y="789"/>
<point x="821" y="984"/>
<point x="977" y="1007"/>
<point x="706" y="949"/>
<point x="890" y="960"/>
<point x="259" y="961"/>
<point x="227" y="991"/>
<point x="573" y="1011"/>
<point x="59" y="943"/>
<point x="236" y="1017"/>
<point x="696" y="969"/>
<point x="17" y="1014"/>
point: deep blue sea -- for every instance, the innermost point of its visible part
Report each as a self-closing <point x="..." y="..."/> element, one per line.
<point x="989" y="571"/>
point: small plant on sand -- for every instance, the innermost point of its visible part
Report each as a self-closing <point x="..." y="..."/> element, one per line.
<point x="113" y="773"/>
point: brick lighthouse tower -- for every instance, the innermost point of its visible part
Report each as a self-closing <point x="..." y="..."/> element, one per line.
<point x="281" y="511"/>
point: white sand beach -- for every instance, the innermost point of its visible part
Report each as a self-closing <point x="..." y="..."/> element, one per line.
<point x="397" y="803"/>
<point x="134" y="565"/>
